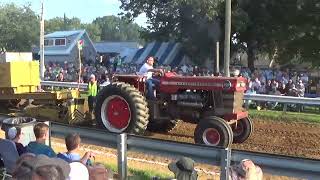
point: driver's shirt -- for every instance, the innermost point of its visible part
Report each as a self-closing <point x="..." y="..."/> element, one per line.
<point x="144" y="70"/>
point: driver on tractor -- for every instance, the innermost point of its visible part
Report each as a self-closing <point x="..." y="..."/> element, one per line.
<point x="147" y="70"/>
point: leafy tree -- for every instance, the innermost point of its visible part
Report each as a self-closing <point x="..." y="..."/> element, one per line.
<point x="282" y="29"/>
<point x="19" y="27"/>
<point x="116" y="29"/>
<point x="195" y="23"/>
<point x="62" y="24"/>
<point x="108" y="28"/>
<point x="66" y="24"/>
<point x="93" y="30"/>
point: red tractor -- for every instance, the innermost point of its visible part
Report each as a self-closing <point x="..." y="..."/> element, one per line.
<point x="213" y="103"/>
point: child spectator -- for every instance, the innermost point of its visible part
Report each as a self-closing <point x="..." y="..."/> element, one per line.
<point x="41" y="131"/>
<point x="15" y="135"/>
<point x="73" y="144"/>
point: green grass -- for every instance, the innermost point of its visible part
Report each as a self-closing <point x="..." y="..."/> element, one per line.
<point x="146" y="175"/>
<point x="135" y="174"/>
<point x="284" y="116"/>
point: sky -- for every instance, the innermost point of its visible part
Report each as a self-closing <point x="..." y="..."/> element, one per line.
<point x="86" y="10"/>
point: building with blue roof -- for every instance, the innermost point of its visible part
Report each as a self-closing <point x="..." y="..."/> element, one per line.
<point x="61" y="46"/>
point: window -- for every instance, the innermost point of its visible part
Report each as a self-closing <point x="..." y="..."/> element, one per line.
<point x="48" y="42"/>
<point x="60" y="42"/>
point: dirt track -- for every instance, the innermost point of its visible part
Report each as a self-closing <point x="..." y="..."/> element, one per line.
<point x="286" y="138"/>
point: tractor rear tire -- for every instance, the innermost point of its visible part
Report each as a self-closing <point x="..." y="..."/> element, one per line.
<point x="162" y="126"/>
<point x="120" y="108"/>
<point x="243" y="130"/>
<point x="213" y="131"/>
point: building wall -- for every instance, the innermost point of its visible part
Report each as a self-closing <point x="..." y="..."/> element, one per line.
<point x="56" y="59"/>
<point x="88" y="54"/>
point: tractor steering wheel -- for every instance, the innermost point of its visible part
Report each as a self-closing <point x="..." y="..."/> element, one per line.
<point x="159" y="74"/>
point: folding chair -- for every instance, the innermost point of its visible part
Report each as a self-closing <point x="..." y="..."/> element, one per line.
<point x="9" y="154"/>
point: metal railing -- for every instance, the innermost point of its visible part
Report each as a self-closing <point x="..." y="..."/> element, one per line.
<point x="51" y="84"/>
<point x="253" y="97"/>
<point x="282" y="99"/>
<point x="273" y="164"/>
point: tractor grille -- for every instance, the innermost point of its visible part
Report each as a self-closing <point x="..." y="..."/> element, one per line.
<point x="228" y="103"/>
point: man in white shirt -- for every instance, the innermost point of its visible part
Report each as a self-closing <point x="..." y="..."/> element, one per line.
<point x="147" y="70"/>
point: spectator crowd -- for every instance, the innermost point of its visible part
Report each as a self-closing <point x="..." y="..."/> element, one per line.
<point x="278" y="82"/>
<point x="38" y="161"/>
<point x="260" y="81"/>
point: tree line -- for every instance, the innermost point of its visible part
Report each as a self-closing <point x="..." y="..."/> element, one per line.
<point x="282" y="29"/>
<point x="20" y="28"/>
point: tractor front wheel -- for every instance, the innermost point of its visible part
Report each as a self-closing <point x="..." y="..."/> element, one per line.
<point x="213" y="131"/>
<point x="242" y="130"/>
<point x="121" y="108"/>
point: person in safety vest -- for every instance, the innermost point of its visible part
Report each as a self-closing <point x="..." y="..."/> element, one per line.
<point x="92" y="92"/>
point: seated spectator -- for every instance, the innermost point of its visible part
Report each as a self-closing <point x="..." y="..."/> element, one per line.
<point x="262" y="89"/>
<point x="300" y="89"/>
<point x="25" y="157"/>
<point x="41" y="132"/>
<point x="99" y="172"/>
<point x="73" y="144"/>
<point x="292" y="91"/>
<point x="246" y="170"/>
<point x="78" y="171"/>
<point x="14" y="134"/>
<point x="268" y="86"/>
<point x="42" y="167"/>
<point x="60" y="77"/>
<point x="183" y="169"/>
<point x="282" y="89"/>
<point x="256" y="84"/>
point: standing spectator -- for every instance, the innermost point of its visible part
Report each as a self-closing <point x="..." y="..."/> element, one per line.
<point x="184" y="69"/>
<point x="115" y="64"/>
<point x="92" y="93"/>
<point x="284" y="79"/>
<point x="41" y="132"/>
<point x="305" y="79"/>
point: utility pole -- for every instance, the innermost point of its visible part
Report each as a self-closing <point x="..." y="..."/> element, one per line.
<point x="42" y="42"/>
<point x="227" y="39"/>
<point x="217" y="57"/>
<point x="64" y="22"/>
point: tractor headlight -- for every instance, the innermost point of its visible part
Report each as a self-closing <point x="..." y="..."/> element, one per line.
<point x="227" y="85"/>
